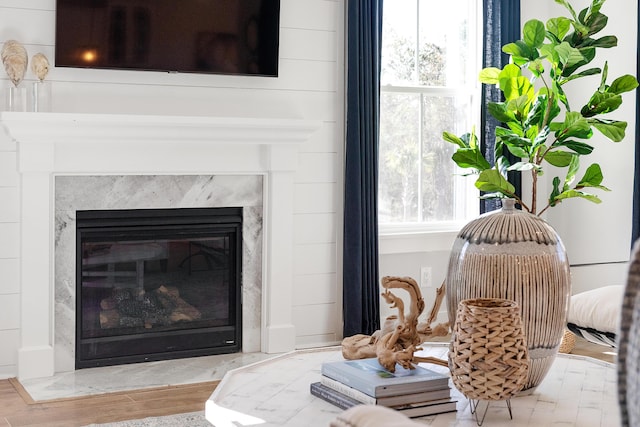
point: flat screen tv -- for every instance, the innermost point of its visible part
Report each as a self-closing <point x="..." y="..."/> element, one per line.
<point x="238" y="37"/>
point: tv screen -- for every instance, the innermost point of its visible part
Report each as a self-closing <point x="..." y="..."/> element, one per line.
<point x="187" y="36"/>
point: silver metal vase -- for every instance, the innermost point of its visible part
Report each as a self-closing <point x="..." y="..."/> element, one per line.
<point x="515" y="255"/>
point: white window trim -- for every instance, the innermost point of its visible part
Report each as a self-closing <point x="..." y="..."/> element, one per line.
<point x="428" y="241"/>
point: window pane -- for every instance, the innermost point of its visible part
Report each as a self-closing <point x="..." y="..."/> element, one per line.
<point x="398" y="43"/>
<point x="433" y="50"/>
<point x="444" y="48"/>
<point x="439" y="172"/>
<point x="399" y="154"/>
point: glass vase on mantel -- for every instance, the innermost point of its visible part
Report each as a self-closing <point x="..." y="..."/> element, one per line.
<point x="515" y="255"/>
<point x="40" y="97"/>
<point x="15" y="98"/>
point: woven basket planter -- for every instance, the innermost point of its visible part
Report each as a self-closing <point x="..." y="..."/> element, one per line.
<point x="488" y="355"/>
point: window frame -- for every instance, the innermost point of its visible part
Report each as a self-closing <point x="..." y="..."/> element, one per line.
<point x="467" y="190"/>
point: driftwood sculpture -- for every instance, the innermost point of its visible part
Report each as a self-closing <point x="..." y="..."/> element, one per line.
<point x="401" y="334"/>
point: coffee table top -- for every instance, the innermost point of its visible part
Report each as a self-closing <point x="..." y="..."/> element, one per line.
<point x="578" y="391"/>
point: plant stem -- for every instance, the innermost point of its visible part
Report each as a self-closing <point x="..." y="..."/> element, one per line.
<point x="534" y="190"/>
<point x="545" y="208"/>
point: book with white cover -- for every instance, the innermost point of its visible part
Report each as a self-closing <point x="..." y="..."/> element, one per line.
<point x="429" y="409"/>
<point x="400" y="399"/>
<point x="368" y="376"/>
<point x="410" y="410"/>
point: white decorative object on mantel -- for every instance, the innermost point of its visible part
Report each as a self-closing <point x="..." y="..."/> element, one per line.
<point x="51" y="144"/>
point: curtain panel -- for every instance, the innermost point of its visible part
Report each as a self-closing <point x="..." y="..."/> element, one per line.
<point x="361" y="306"/>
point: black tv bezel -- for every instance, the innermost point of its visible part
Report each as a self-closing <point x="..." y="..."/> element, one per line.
<point x="171" y="70"/>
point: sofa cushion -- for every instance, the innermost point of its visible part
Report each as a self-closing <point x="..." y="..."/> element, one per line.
<point x="594" y="314"/>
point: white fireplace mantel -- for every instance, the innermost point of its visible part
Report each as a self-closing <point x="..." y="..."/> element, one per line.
<point x="50" y="144"/>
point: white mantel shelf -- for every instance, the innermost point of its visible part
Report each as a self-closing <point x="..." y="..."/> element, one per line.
<point x="51" y="144"/>
<point x="97" y="128"/>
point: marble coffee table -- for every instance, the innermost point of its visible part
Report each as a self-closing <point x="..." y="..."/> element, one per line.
<point x="578" y="391"/>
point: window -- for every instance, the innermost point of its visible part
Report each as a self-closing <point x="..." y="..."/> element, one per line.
<point x="430" y="61"/>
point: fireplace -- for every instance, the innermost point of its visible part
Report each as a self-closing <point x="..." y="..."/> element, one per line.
<point x="156" y="284"/>
<point x="104" y="149"/>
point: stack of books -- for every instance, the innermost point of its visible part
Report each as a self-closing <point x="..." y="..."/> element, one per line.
<point x="414" y="392"/>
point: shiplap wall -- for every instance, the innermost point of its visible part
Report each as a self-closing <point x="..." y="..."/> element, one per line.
<point x="310" y="86"/>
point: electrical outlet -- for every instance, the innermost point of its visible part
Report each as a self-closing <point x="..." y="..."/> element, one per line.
<point x="425" y="277"/>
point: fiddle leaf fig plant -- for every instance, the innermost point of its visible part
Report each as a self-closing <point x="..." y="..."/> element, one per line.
<point x="539" y="127"/>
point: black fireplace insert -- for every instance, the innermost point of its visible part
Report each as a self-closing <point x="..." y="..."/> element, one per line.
<point x="157" y="284"/>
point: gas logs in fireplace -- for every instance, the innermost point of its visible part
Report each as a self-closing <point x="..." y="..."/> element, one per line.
<point x="156" y="284"/>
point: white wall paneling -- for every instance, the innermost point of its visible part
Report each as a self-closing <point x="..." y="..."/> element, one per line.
<point x="310" y="87"/>
<point x="9" y="276"/>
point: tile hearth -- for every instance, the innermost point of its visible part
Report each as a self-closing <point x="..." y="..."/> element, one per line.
<point x="109" y="379"/>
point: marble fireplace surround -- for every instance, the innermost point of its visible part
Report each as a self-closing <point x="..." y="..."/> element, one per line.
<point x="52" y="145"/>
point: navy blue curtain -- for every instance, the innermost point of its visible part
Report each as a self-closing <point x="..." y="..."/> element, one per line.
<point x="501" y="26"/>
<point x="361" y="306"/>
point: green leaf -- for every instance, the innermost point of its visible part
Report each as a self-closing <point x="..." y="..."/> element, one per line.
<point x="489" y="75"/>
<point x="604" y="42"/>
<point x="555" y="192"/>
<point x="623" y="84"/>
<point x="509" y="71"/>
<point x="569" y="8"/>
<point x="520" y="105"/>
<point x="574" y="125"/>
<point x="516" y="87"/>
<point x="548" y="52"/>
<point x="541" y="136"/>
<point x="603" y="78"/>
<point x="612" y="129"/>
<point x="491" y="181"/>
<point x="588" y="54"/>
<point x="500" y="112"/>
<point x="449" y="137"/>
<point x="517" y="48"/>
<point x="592" y="177"/>
<point x="578" y="146"/>
<point x="536" y="67"/>
<point x="560" y="159"/>
<point x="516" y="127"/>
<point x="569" y="55"/>
<point x="533" y="33"/>
<point x="520" y="52"/>
<point x="470" y="158"/>
<point x="593" y="11"/>
<point x="568" y="194"/>
<point x="522" y="166"/>
<point x="514" y="143"/>
<point x="601" y="103"/>
<point x="574" y="165"/>
<point x="470" y="139"/>
<point x="559" y="26"/>
<point x="536" y="112"/>
<point x="585" y="73"/>
<point x="560" y="95"/>
<point x="502" y="164"/>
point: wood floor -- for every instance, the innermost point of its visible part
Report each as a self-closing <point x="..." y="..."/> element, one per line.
<point x="17" y="409"/>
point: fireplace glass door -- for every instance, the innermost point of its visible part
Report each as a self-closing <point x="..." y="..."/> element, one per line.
<point x="157" y="284"/>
